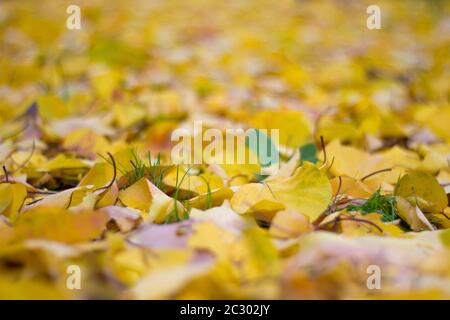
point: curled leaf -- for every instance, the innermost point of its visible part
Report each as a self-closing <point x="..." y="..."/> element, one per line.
<point x="412" y="215"/>
<point x="422" y="189"/>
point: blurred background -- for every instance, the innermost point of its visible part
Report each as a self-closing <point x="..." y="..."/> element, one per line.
<point x="229" y="54"/>
<point x="136" y="70"/>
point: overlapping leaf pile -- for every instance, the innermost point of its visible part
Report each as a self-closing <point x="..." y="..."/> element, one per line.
<point x="85" y="123"/>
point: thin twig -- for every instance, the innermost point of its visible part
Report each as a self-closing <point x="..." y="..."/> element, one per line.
<point x="352" y="219"/>
<point x="23" y="164"/>
<point x="268" y="187"/>
<point x="109" y="185"/>
<point x="324" y="150"/>
<point x="331" y="208"/>
<point x="375" y="172"/>
<point x="6" y="174"/>
<point x="331" y="164"/>
<point x="337" y="192"/>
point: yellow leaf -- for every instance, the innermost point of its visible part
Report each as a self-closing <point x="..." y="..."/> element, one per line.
<point x="348" y="161"/>
<point x="423" y="189"/>
<point x="108" y="196"/>
<point x="222" y="216"/>
<point x="255" y="198"/>
<point x="63" y="199"/>
<point x="289" y="224"/>
<point x="295" y="128"/>
<point x="437" y="119"/>
<point x="412" y="215"/>
<point x="352" y="187"/>
<point x="213" y="198"/>
<point x="29" y="289"/>
<point x="98" y="176"/>
<point x="211" y="237"/>
<point x="162" y="283"/>
<point x="145" y="196"/>
<point x="63" y="162"/>
<point x="137" y="196"/>
<point x="329" y="128"/>
<point x="125" y="218"/>
<point x="105" y="82"/>
<point x="358" y="228"/>
<point x="129" y="265"/>
<point x="52" y="107"/>
<point x="258" y="256"/>
<point x="197" y="184"/>
<point x="58" y="224"/>
<point x="12" y="197"/>
<point x="86" y="142"/>
<point x="308" y="191"/>
<point x="127" y="115"/>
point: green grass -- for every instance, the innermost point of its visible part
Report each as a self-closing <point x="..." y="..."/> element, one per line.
<point x="138" y="167"/>
<point x="208" y="203"/>
<point x="383" y="204"/>
<point x="155" y="177"/>
<point x="174" y="216"/>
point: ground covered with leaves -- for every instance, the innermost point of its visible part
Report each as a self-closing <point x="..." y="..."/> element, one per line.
<point x="86" y="118"/>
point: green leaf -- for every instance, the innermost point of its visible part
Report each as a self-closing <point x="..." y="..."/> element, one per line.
<point x="308" y="153"/>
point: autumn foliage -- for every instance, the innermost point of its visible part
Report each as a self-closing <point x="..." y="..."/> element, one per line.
<point x="87" y="178"/>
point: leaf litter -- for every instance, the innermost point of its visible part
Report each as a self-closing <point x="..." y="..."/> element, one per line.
<point x="86" y="119"/>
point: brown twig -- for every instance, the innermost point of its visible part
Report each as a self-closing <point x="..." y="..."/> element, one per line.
<point x="331" y="164"/>
<point x="23" y="164"/>
<point x="114" y="174"/>
<point x="6" y="174"/>
<point x="335" y="221"/>
<point x="337" y="192"/>
<point x="324" y="150"/>
<point x="375" y="172"/>
<point x="331" y="208"/>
